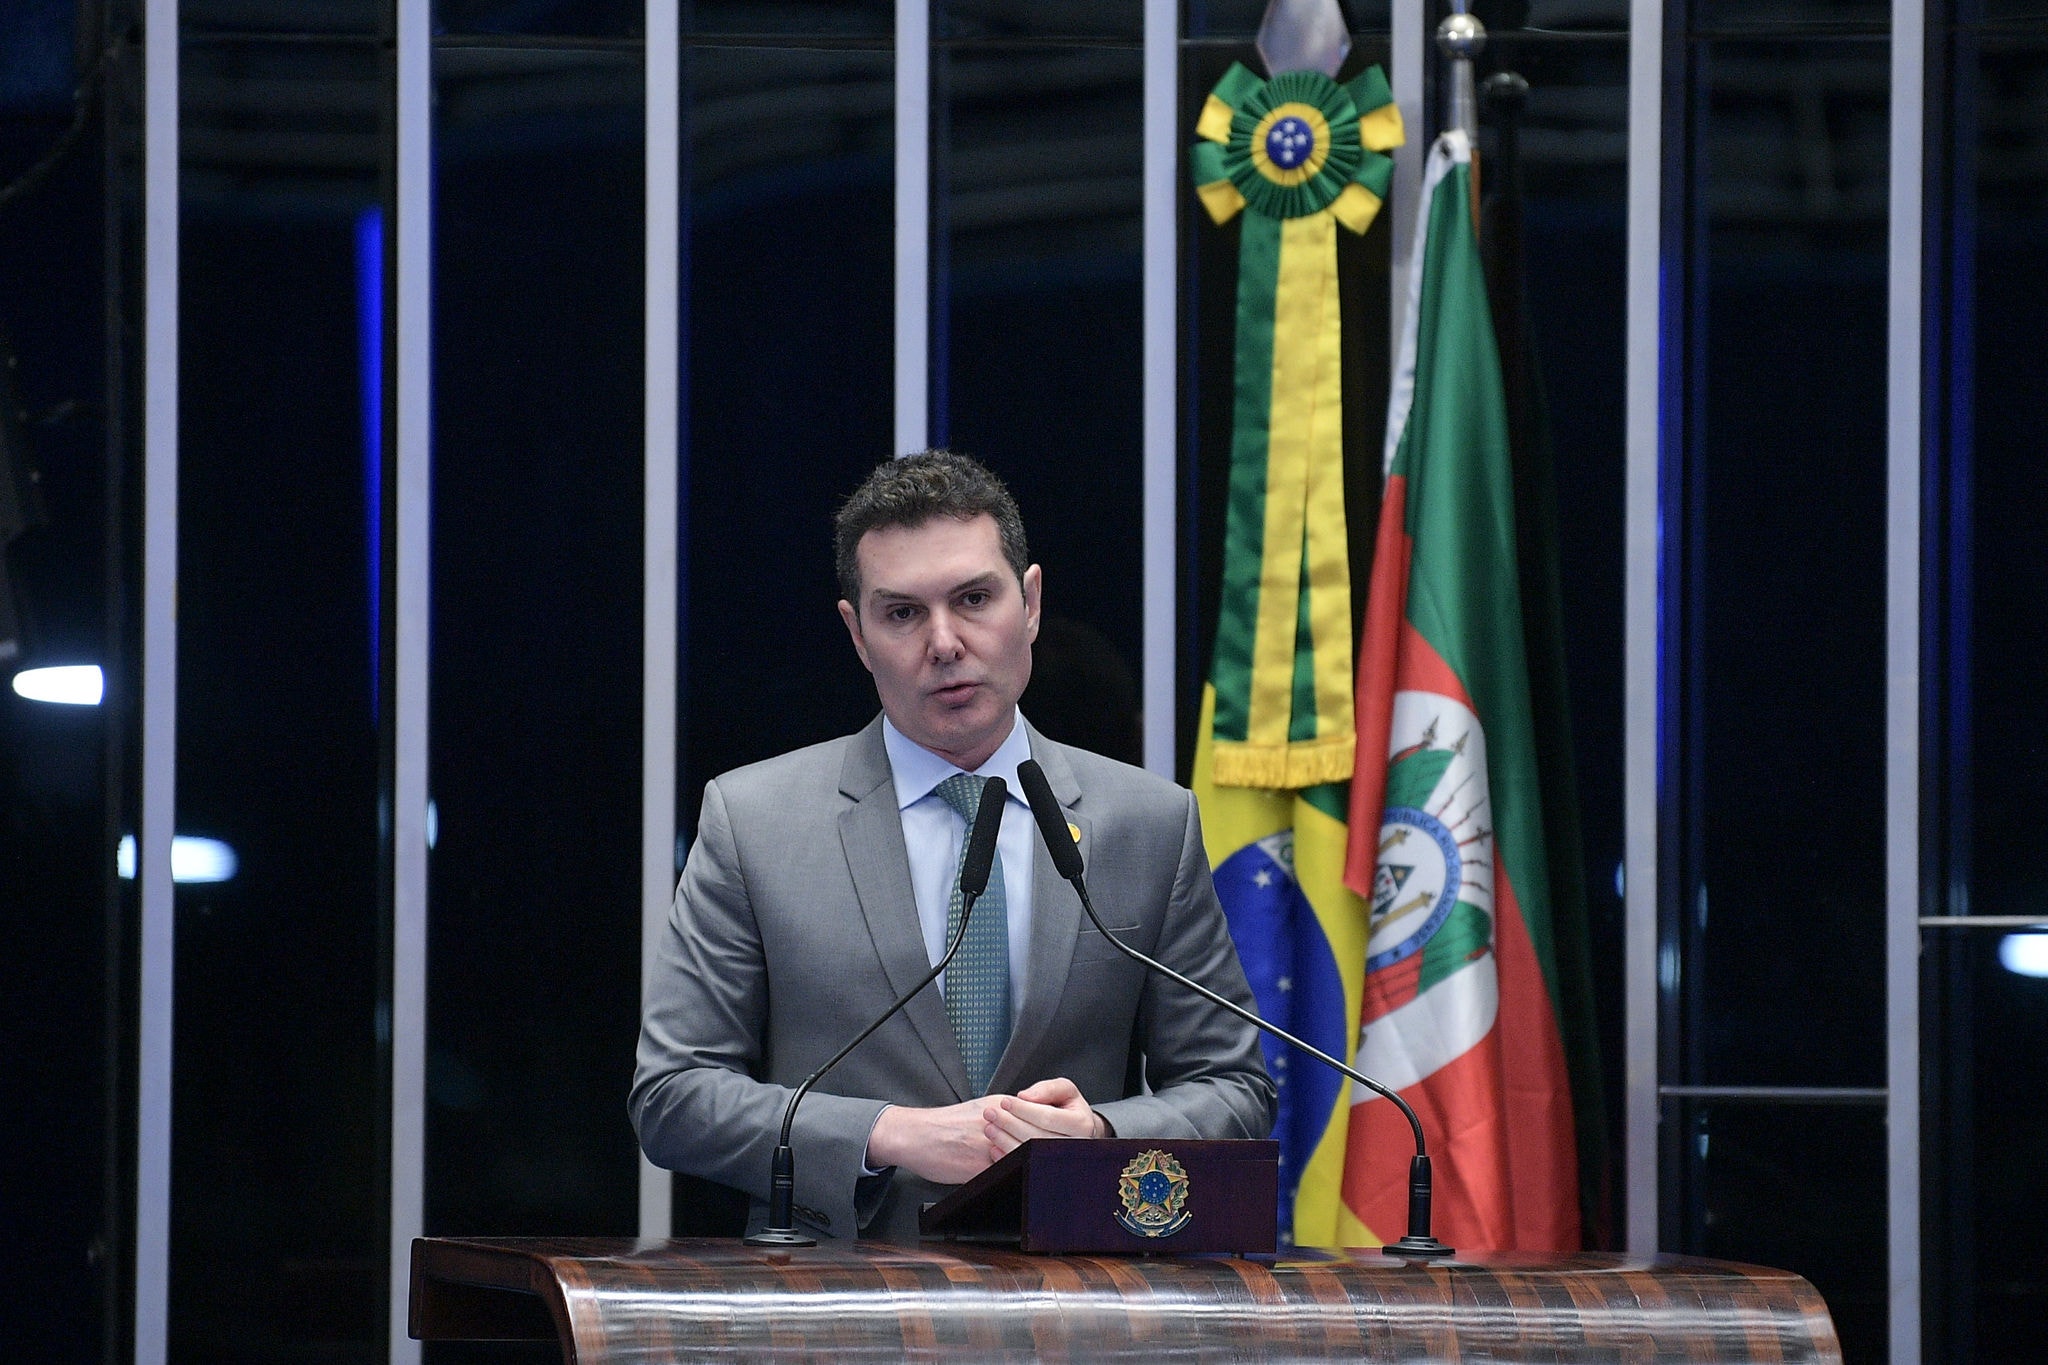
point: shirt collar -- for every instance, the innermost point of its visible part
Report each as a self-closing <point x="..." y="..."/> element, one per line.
<point x="916" y="770"/>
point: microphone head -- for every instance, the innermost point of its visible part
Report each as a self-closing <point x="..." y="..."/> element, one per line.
<point x="981" y="840"/>
<point x="1052" y="821"/>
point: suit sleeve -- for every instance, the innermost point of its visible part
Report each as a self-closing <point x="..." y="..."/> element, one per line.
<point x="696" y="1104"/>
<point x="1203" y="1066"/>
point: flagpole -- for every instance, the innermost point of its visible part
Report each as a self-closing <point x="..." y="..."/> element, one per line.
<point x="1461" y="37"/>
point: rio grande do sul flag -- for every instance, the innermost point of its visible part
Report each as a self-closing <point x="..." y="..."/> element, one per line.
<point x="1446" y="835"/>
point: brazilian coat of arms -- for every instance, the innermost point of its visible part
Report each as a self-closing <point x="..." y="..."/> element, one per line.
<point x="1154" y="1192"/>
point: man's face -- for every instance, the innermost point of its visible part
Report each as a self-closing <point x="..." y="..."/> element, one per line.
<point x="946" y="629"/>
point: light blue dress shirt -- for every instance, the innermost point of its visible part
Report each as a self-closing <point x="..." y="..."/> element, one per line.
<point x="933" y="835"/>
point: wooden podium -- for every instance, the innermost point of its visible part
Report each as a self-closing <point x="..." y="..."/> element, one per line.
<point x="616" y="1300"/>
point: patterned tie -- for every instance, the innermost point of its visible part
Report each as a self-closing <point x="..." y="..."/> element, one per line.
<point x="978" y="983"/>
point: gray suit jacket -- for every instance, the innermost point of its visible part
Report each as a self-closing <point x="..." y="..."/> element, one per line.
<point x="795" y="925"/>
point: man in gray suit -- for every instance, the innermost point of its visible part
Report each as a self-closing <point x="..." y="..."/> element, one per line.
<point x="819" y="888"/>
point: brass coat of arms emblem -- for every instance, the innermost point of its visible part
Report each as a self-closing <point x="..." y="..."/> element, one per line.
<point x="1154" y="1191"/>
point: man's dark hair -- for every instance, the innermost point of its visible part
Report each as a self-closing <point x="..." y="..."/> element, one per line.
<point x="911" y="491"/>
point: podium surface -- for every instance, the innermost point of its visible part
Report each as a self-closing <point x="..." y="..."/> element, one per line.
<point x="620" y="1300"/>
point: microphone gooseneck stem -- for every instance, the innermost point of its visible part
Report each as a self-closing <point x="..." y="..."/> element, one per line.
<point x="782" y="1176"/>
<point x="1241" y="1012"/>
<point x="959" y="937"/>
<point x="1417" y="1241"/>
<point x="1063" y="846"/>
<point x="781" y="1229"/>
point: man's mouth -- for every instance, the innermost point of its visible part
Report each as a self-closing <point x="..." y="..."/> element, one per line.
<point x="953" y="693"/>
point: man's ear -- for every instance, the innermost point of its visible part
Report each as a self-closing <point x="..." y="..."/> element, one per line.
<point x="852" y="619"/>
<point x="1033" y="583"/>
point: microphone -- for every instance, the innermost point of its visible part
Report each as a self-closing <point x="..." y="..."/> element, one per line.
<point x="975" y="866"/>
<point x="1066" y="859"/>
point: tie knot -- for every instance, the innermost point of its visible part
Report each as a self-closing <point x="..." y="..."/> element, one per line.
<point x="962" y="791"/>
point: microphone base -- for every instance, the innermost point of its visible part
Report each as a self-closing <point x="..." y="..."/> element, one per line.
<point x="780" y="1237"/>
<point x="1424" y="1247"/>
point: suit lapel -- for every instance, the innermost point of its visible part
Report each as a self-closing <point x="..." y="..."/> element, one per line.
<point x="1055" y="921"/>
<point x="871" y="833"/>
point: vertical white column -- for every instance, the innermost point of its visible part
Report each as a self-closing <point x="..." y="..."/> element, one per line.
<point x="913" y="223"/>
<point x="159" y="675"/>
<point x="413" y="545"/>
<point x="1902" y="678"/>
<point x="658" y="622"/>
<point x="1641" y="623"/>
<point x="1160" y="384"/>
<point x="1411" y="48"/>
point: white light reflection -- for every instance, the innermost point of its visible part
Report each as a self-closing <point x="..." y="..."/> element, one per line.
<point x="65" y="684"/>
<point x="2024" y="954"/>
<point x="1667" y="966"/>
<point x="193" y="859"/>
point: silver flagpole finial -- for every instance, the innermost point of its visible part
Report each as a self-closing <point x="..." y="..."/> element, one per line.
<point x="1303" y="35"/>
<point x="1461" y="37"/>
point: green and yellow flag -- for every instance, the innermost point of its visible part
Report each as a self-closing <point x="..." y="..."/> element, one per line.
<point x="1298" y="156"/>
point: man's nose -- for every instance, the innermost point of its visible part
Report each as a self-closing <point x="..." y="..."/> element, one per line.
<point x="945" y="638"/>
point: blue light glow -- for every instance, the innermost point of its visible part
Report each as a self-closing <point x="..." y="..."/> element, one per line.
<point x="193" y="859"/>
<point x="65" y="684"/>
<point x="2025" y="954"/>
<point x="370" y="369"/>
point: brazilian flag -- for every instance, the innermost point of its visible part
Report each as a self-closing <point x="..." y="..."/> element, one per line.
<point x="1278" y="858"/>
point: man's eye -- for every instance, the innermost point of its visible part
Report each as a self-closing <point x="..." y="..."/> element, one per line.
<point x="899" y="613"/>
<point x="978" y="598"/>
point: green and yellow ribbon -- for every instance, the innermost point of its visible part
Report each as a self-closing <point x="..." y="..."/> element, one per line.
<point x="1298" y="155"/>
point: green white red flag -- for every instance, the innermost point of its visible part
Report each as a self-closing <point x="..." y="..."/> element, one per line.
<point x="1460" y="1008"/>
